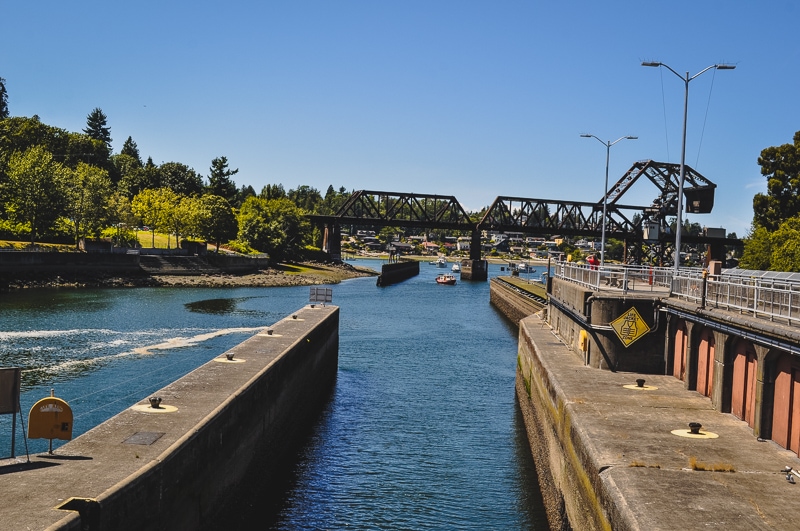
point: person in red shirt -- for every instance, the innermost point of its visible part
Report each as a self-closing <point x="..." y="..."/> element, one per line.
<point x="593" y="261"/>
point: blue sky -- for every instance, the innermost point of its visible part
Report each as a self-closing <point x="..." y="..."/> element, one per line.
<point x="464" y="98"/>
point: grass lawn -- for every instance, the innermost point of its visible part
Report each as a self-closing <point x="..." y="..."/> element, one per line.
<point x="21" y="246"/>
<point x="161" y="240"/>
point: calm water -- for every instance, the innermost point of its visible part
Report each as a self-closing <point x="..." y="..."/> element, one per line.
<point x="422" y="430"/>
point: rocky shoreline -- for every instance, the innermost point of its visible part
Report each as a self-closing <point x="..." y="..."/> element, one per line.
<point x="305" y="274"/>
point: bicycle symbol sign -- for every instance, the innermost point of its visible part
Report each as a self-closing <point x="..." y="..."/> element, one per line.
<point x="629" y="327"/>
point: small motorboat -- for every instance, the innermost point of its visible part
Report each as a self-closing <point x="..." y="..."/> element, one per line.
<point x="456" y="268"/>
<point x="446" y="278"/>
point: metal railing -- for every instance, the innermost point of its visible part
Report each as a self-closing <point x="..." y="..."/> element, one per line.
<point x="767" y="298"/>
<point x="776" y="299"/>
<point x="622" y="277"/>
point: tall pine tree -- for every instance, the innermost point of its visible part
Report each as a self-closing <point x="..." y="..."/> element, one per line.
<point x="3" y="99"/>
<point x="96" y="127"/>
<point x="130" y="148"/>
<point x="219" y="181"/>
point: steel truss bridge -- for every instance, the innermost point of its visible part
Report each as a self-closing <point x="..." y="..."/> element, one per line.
<point x="545" y="217"/>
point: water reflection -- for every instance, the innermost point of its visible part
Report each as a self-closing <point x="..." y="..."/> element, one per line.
<point x="222" y="306"/>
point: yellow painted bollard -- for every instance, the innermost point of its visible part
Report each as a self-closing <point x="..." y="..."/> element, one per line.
<point x="50" y="418"/>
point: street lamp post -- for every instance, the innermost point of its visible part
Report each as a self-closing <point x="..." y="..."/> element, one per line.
<point x="686" y="79"/>
<point x="608" y="145"/>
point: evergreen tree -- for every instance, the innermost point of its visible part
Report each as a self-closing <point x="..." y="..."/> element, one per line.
<point x="97" y="128"/>
<point x="244" y="192"/>
<point x="219" y="181"/>
<point x="272" y="191"/>
<point x="130" y="148"/>
<point x="3" y="99"/>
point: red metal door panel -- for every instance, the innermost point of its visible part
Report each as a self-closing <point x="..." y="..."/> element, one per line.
<point x="750" y="390"/>
<point x="679" y="358"/>
<point x="705" y="363"/>
<point x="782" y="402"/>
<point x="744" y="382"/>
<point x="794" y="413"/>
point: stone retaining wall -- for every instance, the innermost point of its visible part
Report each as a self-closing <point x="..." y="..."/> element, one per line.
<point x="510" y="303"/>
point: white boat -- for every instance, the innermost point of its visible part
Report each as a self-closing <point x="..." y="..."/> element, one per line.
<point x="456" y="268"/>
<point x="446" y="278"/>
<point x="441" y="262"/>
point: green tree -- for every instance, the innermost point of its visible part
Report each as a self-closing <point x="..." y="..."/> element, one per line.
<point x="216" y="221"/>
<point x="87" y="190"/>
<point x="3" y="99"/>
<point x="333" y="200"/>
<point x="272" y="191"/>
<point x="386" y="234"/>
<point x="219" y="180"/>
<point x="274" y="226"/>
<point x="180" y="178"/>
<point x="244" y="193"/>
<point x="125" y="169"/>
<point x="140" y="179"/>
<point x="786" y="246"/>
<point x="20" y="134"/>
<point x="97" y="127"/>
<point x="149" y="206"/>
<point x="33" y="191"/>
<point x="132" y="150"/>
<point x="757" y="252"/>
<point x="122" y="217"/>
<point x="178" y="215"/>
<point x="306" y="197"/>
<point x="615" y="249"/>
<point x="781" y="166"/>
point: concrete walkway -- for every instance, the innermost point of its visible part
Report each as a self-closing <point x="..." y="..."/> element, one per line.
<point x="93" y="471"/>
<point x="633" y="447"/>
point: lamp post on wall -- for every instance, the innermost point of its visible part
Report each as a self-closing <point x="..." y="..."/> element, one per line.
<point x="686" y="80"/>
<point x="608" y="145"/>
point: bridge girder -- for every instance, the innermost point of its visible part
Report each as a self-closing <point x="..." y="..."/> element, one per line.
<point x="698" y="191"/>
<point x="403" y="210"/>
<point x="567" y="218"/>
<point x="543" y="216"/>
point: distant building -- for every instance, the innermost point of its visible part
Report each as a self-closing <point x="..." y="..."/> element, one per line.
<point x="430" y="247"/>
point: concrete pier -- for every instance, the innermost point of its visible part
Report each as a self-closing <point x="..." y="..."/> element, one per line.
<point x="172" y="467"/>
<point x="474" y="270"/>
<point x="612" y="455"/>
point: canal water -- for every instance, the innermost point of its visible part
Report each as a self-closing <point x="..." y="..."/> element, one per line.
<point x="422" y="430"/>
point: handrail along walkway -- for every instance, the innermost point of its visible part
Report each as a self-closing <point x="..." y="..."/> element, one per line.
<point x="775" y="297"/>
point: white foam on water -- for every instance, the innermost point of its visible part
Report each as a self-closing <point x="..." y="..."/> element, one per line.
<point x="168" y="344"/>
<point x="38" y="334"/>
<point x="180" y="342"/>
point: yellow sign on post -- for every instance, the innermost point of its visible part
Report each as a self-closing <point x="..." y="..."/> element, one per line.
<point x="50" y="418"/>
<point x="629" y="327"/>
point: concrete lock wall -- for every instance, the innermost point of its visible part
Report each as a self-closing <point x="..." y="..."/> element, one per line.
<point x="233" y="417"/>
<point x="510" y="303"/>
<point x="576" y="311"/>
<point x="397" y="272"/>
<point x="557" y="450"/>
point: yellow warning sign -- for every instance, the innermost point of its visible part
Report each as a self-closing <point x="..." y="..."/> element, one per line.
<point x="629" y="327"/>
